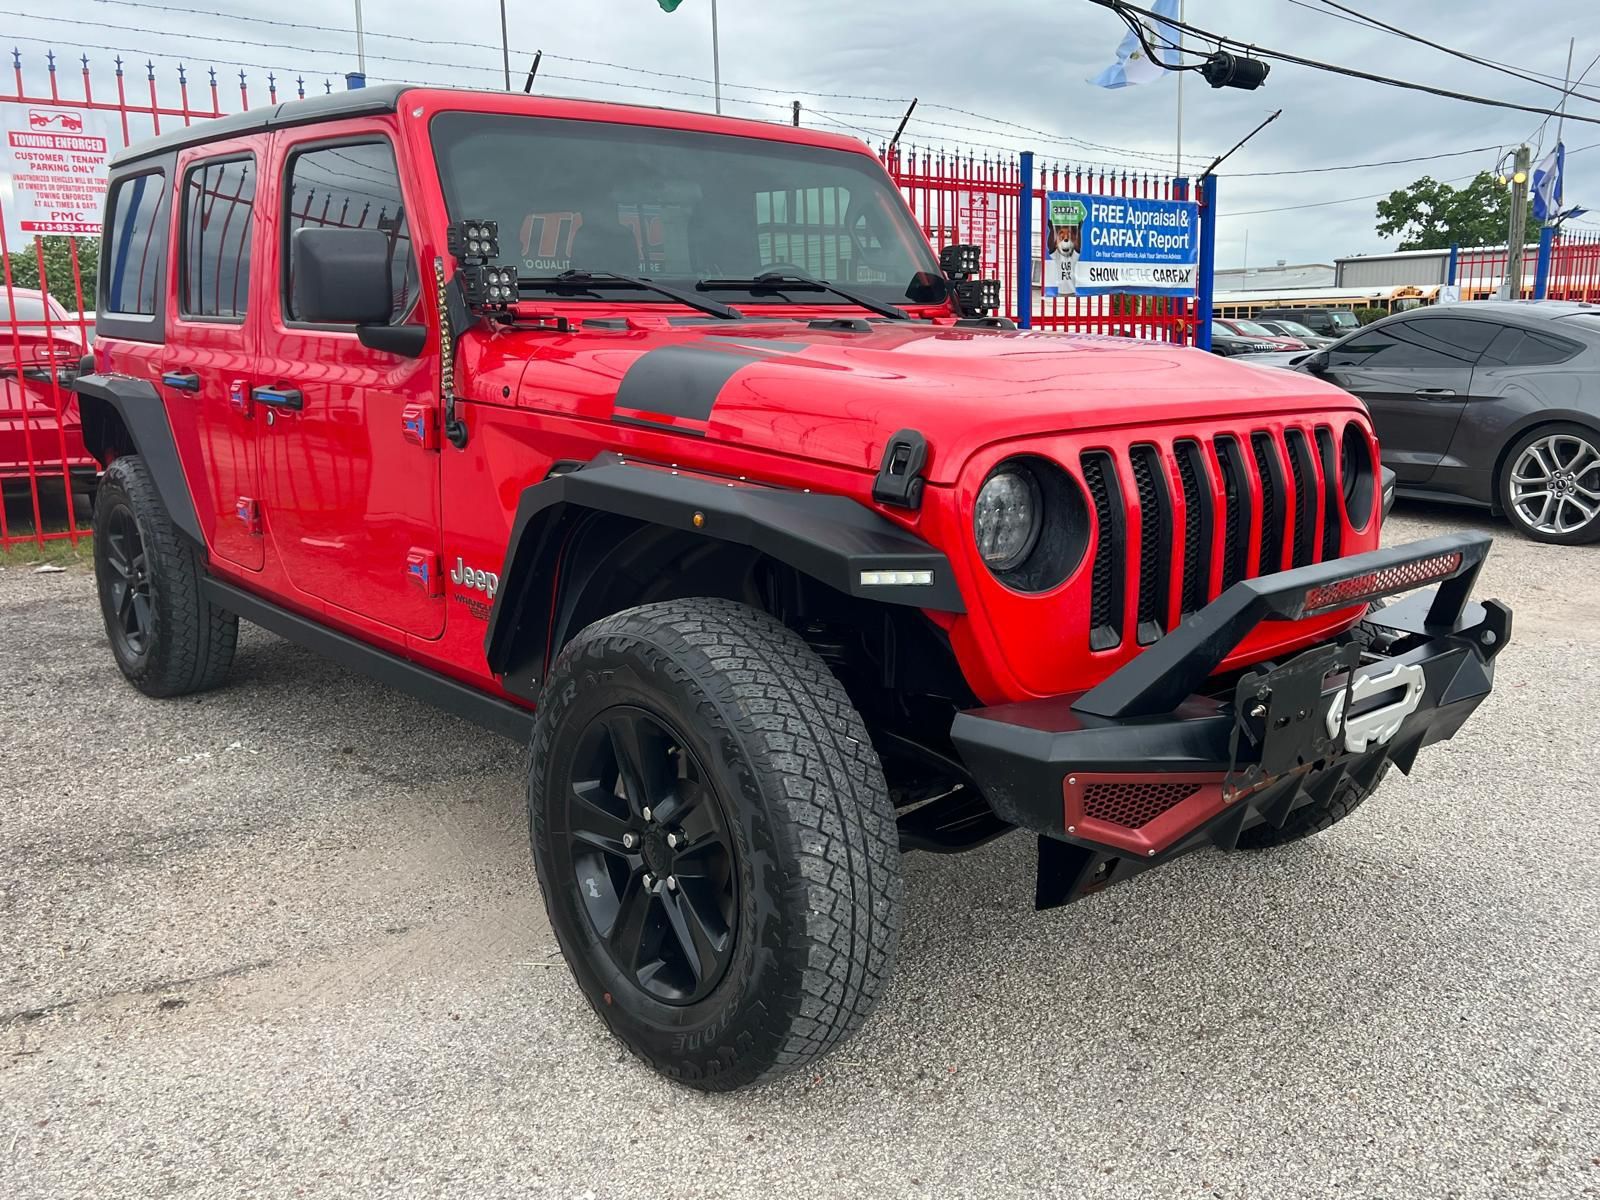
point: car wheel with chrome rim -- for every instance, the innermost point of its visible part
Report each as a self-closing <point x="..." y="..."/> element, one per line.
<point x="1550" y="484"/>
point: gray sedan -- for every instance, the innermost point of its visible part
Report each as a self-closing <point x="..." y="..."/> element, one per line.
<point x="1489" y="403"/>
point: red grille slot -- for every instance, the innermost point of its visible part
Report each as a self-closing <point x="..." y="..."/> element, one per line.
<point x="1133" y="805"/>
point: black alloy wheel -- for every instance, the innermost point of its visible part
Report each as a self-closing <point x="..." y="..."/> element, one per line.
<point x="644" y="837"/>
<point x="127" y="583"/>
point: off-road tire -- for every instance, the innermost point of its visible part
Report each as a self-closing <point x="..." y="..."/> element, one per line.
<point x="1312" y="818"/>
<point x="190" y="643"/>
<point x="815" y="848"/>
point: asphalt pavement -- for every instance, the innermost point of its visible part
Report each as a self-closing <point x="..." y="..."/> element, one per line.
<point x="284" y="940"/>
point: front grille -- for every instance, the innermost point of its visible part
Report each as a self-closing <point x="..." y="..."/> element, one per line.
<point x="1196" y="526"/>
<point x="1201" y="501"/>
<point x="1155" y="542"/>
<point x="1105" y="605"/>
<point x="1133" y="805"/>
<point x="1305" y="496"/>
<point x="1270" y="474"/>
<point x="1328" y="459"/>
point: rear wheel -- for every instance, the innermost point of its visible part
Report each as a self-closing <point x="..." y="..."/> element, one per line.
<point x="714" y="840"/>
<point x="1550" y="484"/>
<point x="167" y="638"/>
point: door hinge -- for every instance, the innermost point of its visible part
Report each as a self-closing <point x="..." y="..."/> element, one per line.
<point x="422" y="569"/>
<point x="421" y="425"/>
<point x="249" y="513"/>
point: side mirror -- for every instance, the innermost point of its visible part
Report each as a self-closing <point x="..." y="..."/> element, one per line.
<point x="1316" y="362"/>
<point x="341" y="276"/>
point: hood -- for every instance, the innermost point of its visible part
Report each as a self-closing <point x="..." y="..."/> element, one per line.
<point x="837" y="394"/>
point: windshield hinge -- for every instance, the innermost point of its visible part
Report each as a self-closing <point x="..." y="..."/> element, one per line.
<point x="899" y="480"/>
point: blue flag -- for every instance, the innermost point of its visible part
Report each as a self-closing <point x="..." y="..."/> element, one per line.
<point x="1547" y="184"/>
<point x="1133" y="64"/>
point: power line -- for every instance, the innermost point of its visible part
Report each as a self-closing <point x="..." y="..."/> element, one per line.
<point x="1121" y="7"/>
<point x="1360" y="18"/>
<point x="1256" y="212"/>
<point x="1387" y="162"/>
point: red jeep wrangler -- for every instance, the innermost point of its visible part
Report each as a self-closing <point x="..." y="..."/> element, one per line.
<point x="666" y="442"/>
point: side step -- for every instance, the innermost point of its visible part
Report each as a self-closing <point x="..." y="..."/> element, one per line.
<point x="491" y="712"/>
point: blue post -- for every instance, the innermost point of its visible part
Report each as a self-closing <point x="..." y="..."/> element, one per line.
<point x="354" y="80"/>
<point x="1450" y="271"/>
<point x="1025" y="242"/>
<point x="1541" y="273"/>
<point x="1180" y="191"/>
<point x="1208" y="261"/>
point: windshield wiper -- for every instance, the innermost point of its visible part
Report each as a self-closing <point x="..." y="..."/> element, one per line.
<point x="582" y="280"/>
<point x="778" y="281"/>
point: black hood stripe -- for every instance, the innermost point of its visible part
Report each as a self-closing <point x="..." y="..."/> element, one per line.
<point x="682" y="381"/>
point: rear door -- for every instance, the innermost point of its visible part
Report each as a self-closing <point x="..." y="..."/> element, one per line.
<point x="352" y="497"/>
<point x="211" y="343"/>
<point x="1416" y="378"/>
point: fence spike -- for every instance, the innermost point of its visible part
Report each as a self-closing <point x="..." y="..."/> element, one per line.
<point x="16" y="58"/>
<point x="119" y="66"/>
<point x="150" y="70"/>
<point x="50" y="57"/>
<point x="241" y="79"/>
<point x="182" y="74"/>
<point x="300" y="82"/>
<point x="85" y="58"/>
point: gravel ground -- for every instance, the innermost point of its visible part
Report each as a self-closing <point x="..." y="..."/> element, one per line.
<point x="284" y="940"/>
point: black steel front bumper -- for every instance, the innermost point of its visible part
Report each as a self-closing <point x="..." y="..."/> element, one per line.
<point x="1164" y="756"/>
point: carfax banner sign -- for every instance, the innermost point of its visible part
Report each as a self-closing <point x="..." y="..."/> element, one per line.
<point x="1096" y="245"/>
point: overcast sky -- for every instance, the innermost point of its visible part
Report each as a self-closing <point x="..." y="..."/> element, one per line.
<point x="1022" y="62"/>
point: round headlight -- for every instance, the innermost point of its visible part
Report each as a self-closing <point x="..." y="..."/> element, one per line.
<point x="1006" y="517"/>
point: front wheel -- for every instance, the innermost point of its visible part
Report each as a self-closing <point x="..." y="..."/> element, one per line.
<point x="714" y="839"/>
<point x="1550" y="485"/>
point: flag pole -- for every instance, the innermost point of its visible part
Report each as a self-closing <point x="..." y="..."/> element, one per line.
<point x="1178" y="173"/>
<point x="1566" y="90"/>
<point x="361" y="43"/>
<point x="716" y="59"/>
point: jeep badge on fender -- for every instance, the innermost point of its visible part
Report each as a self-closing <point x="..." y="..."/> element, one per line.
<point x="789" y="559"/>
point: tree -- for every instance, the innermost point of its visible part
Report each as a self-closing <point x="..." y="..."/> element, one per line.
<point x="1430" y="215"/>
<point x="58" y="269"/>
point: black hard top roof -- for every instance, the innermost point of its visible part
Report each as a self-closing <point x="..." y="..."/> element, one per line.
<point x="359" y="102"/>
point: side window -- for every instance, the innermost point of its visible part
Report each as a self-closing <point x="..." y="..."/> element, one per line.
<point x="1524" y="348"/>
<point x="219" y="200"/>
<point x="1439" y="343"/>
<point x="351" y="187"/>
<point x="134" y="242"/>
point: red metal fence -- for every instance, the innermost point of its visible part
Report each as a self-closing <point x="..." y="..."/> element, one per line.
<point x="967" y="198"/>
<point x="1574" y="269"/>
<point x="47" y="322"/>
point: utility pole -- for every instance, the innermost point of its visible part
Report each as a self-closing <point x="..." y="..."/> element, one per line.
<point x="716" y="59"/>
<point x="1178" y="170"/>
<point x="1518" y="232"/>
<point x="505" y="44"/>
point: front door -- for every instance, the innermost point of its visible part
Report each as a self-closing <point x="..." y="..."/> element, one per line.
<point x="1416" y="377"/>
<point x="210" y="361"/>
<point x="350" y="478"/>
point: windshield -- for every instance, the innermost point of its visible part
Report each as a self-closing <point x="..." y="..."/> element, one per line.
<point x="1294" y="329"/>
<point x="680" y="207"/>
<point x="1344" y="320"/>
<point x="1253" y="329"/>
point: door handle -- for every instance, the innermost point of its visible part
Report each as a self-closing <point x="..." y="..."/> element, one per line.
<point x="279" y="397"/>
<point x="184" y="381"/>
<point x="1438" y="393"/>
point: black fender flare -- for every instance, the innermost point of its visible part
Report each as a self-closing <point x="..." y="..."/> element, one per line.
<point x="138" y="404"/>
<point x="832" y="539"/>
